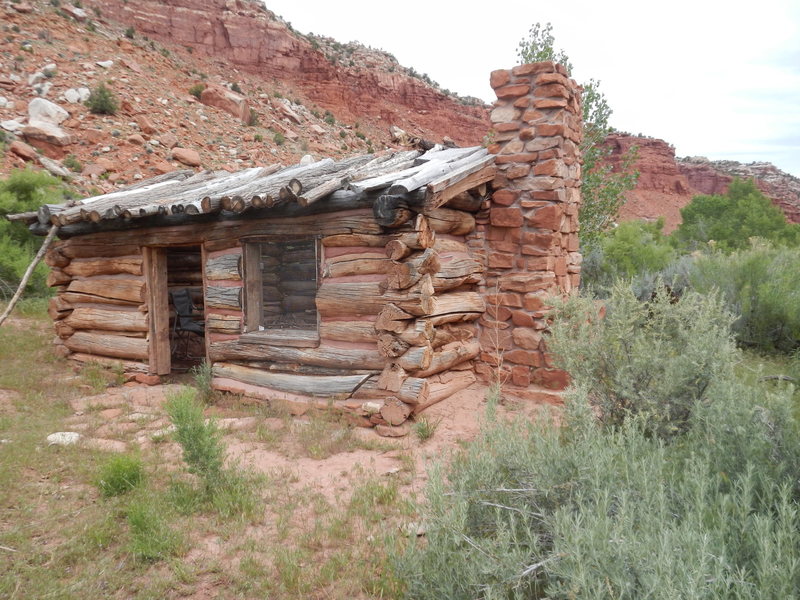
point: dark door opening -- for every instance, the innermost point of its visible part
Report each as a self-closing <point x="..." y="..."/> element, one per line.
<point x="186" y="306"/>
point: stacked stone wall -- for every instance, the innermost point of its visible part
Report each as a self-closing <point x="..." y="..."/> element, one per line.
<point x="531" y="234"/>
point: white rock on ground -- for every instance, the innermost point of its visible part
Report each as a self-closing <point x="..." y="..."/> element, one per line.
<point x="40" y="109"/>
<point x="13" y="125"/>
<point x="106" y="64"/>
<point x="64" y="438"/>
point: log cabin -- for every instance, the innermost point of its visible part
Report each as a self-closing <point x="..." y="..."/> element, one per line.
<point x="377" y="284"/>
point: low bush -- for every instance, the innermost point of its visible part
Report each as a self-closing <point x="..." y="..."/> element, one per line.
<point x="655" y="359"/>
<point x="197" y="89"/>
<point x="759" y="286"/>
<point x="152" y="538"/>
<point x="120" y="474"/>
<point x="102" y="101"/>
<point x="583" y="510"/>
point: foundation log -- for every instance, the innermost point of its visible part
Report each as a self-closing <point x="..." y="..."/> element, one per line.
<point x="413" y="390"/>
<point x="450" y="356"/>
<point x="116" y="346"/>
<point x="402" y="275"/>
<point x="314" y="385"/>
<point x="417" y="358"/>
<point x="323" y="356"/>
<point x="108" y="320"/>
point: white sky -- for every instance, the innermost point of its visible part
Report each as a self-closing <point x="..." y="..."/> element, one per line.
<point x="714" y="78"/>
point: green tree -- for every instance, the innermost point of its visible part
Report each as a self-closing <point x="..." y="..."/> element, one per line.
<point x="730" y="220"/>
<point x="22" y="191"/>
<point x="602" y="188"/>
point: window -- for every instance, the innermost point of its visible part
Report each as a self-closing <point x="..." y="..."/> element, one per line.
<point x="281" y="278"/>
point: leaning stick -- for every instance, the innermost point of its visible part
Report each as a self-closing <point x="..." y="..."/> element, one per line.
<point x="50" y="236"/>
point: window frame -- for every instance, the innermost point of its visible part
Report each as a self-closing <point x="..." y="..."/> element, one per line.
<point x="253" y="295"/>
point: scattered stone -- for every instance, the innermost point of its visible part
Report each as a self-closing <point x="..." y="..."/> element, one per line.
<point x="77" y="95"/>
<point x="307" y="160"/>
<point x="22" y="7"/>
<point x="389" y="431"/>
<point x="7" y="83"/>
<point x="46" y="132"/>
<point x="6" y="103"/>
<point x="145" y="125"/>
<point x="12" y="125"/>
<point x="227" y="100"/>
<point x="238" y="424"/>
<point x="319" y="130"/>
<point x="40" y="109"/>
<point x="54" y="167"/>
<point x="188" y="157"/>
<point x="136" y="139"/>
<point x="23" y="150"/>
<point x="63" y="438"/>
<point x="76" y="13"/>
<point x="162" y="167"/>
<point x="93" y="170"/>
<point x="168" y="139"/>
<point x="147" y="379"/>
<point x="111" y="413"/>
<point x="106" y="64"/>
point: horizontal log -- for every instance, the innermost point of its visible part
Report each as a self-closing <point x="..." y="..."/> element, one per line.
<point x="297" y="338"/>
<point x="109" y="320"/>
<point x="417" y="358"/>
<point x="441" y="391"/>
<point x="63" y="330"/>
<point x="314" y="385"/>
<point x="116" y="346"/>
<point x="443" y="245"/>
<point x="58" y="307"/>
<point x="224" y="297"/>
<point x="418" y="333"/>
<point x="82" y="248"/>
<point x="57" y="277"/>
<point x="414" y="390"/>
<point x="277" y="367"/>
<point x="90" y="267"/>
<point x="323" y="356"/>
<point x="449" y="356"/>
<point x="127" y="366"/>
<point x="402" y="275"/>
<point x="447" y="220"/>
<point x="111" y="287"/>
<point x="348" y="265"/>
<point x="226" y="266"/>
<point x="224" y="323"/>
<point x="355" y="240"/>
<point x="75" y="298"/>
<point x="465" y="305"/>
<point x="392" y="318"/>
<point x="348" y="331"/>
<point x="391" y="211"/>
<point x="440" y="192"/>
<point x="339" y="299"/>
<point x="54" y="257"/>
<point x="468" y="201"/>
<point x="391" y="346"/>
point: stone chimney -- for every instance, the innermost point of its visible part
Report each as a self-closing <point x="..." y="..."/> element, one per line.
<point x="531" y="237"/>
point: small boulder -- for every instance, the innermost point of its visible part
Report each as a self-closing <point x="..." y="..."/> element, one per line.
<point x="76" y="13"/>
<point x="54" y="167"/>
<point x="145" y="125"/>
<point x="64" y="438"/>
<point x="22" y="7"/>
<point x="40" y="109"/>
<point x="93" y="170"/>
<point x="23" y="150"/>
<point x="227" y="100"/>
<point x="147" y="379"/>
<point x="162" y="167"/>
<point x="169" y="140"/>
<point x="136" y="139"/>
<point x="106" y="64"/>
<point x="46" y="132"/>
<point x="190" y="158"/>
<point x="12" y="125"/>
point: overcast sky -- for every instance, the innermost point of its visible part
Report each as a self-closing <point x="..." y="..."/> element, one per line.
<point x="714" y="78"/>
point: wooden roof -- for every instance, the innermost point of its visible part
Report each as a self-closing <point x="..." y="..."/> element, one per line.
<point x="431" y="178"/>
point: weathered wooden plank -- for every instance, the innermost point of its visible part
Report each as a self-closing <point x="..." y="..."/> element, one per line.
<point x="348" y="331"/>
<point x="314" y="385"/>
<point x="159" y="356"/>
<point x="356" y="264"/>
<point x="342" y="299"/>
<point x="127" y="366"/>
<point x="224" y="323"/>
<point x="224" y="297"/>
<point x="297" y="338"/>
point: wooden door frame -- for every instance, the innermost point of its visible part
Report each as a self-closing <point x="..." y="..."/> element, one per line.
<point x="159" y="351"/>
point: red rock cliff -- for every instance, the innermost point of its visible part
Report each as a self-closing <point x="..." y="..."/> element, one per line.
<point x="247" y="36"/>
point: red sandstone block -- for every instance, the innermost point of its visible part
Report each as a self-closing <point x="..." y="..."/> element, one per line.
<point x="551" y="167"/>
<point x="524" y="157"/>
<point x="526" y="337"/>
<point x="532" y="358"/>
<point x="147" y="379"/>
<point x="533" y="302"/>
<point x="504" y="246"/>
<point x="526" y="282"/>
<point x="495" y="234"/>
<point x="521" y="376"/>
<point x="552" y="153"/>
<point x="490" y="358"/>
<point x="498" y="312"/>
<point x="550" y="103"/>
<point x="527" y="134"/>
<point x="505" y="197"/>
<point x="520" y="318"/>
<point x="551" y="195"/>
<point x="555" y="379"/>
<point x="499" y="78"/>
<point x="573" y="243"/>
<point x="549" y="130"/>
<point x="512" y="91"/>
<point x="514" y="146"/>
<point x="534" y="116"/>
<point x="523" y="102"/>
<point x="497" y="339"/>
<point x="542" y="240"/>
<point x="493" y="325"/>
<point x="500" y="260"/>
<point x="506" y="217"/>
<point x="547" y="217"/>
<point x="531" y="250"/>
<point x="563" y="70"/>
<point x="503" y="127"/>
<point x="551" y="90"/>
<point x="575" y="278"/>
<point x="518" y="172"/>
<point x="504" y="299"/>
<point x="561" y="267"/>
<point x="540" y="263"/>
<point x="534" y="68"/>
<point x="545" y="78"/>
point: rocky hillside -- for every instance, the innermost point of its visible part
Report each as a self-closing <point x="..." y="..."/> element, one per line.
<point x="667" y="183"/>
<point x="194" y="89"/>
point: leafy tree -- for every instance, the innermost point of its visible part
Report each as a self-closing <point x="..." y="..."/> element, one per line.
<point x="602" y="188"/>
<point x="22" y="191"/>
<point x="729" y="221"/>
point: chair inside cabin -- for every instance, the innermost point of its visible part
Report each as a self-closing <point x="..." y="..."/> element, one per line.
<point x="186" y="324"/>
